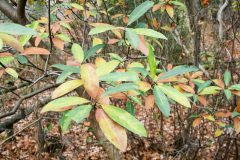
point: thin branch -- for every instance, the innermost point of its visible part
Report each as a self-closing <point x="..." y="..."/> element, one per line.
<point x="219" y="18"/>
<point x="15" y="108"/>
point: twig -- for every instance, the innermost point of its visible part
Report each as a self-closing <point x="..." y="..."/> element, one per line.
<point x="219" y="18"/>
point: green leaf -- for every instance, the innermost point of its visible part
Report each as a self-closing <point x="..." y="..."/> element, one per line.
<point x="116" y="57"/>
<point x="107" y="67"/>
<point x="6" y="60"/>
<point x="203" y="85"/>
<point x="152" y="62"/>
<point x="132" y="37"/>
<point x="11" y="72"/>
<point x="120" y="76"/>
<point x="66" y="88"/>
<point x="72" y="69"/>
<point x="60" y="103"/>
<point x="136" y="99"/>
<point x="210" y="90"/>
<point x="161" y="101"/>
<point x="235" y="114"/>
<point x="77" y="6"/>
<point x="228" y="94"/>
<point x="79" y="113"/>
<point x="130" y="108"/>
<point x="64" y="37"/>
<point x="101" y="29"/>
<point x="125" y="119"/>
<point x="22" y="59"/>
<point x="120" y="88"/>
<point x="65" y="122"/>
<point x="1" y="44"/>
<point x="175" y="95"/>
<point x="92" y="51"/>
<point x="150" y="33"/>
<point x="16" y="29"/>
<point x="139" y="11"/>
<point x="77" y="52"/>
<point x="179" y="70"/>
<point x="227" y="77"/>
<point x="235" y="87"/>
<point x="63" y="76"/>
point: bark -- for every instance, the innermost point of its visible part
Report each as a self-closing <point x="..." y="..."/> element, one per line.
<point x="193" y="7"/>
<point x="17" y="15"/>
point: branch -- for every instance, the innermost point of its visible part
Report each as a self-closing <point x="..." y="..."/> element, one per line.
<point x="17" y="15"/>
<point x="219" y="18"/>
<point x="19" y="102"/>
<point x="21" y="114"/>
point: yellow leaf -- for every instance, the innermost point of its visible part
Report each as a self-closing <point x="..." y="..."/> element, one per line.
<point x="107" y="67"/>
<point x="11" y="41"/>
<point x="218" y="133"/>
<point x="170" y="10"/>
<point x="66" y="88"/>
<point x="115" y="133"/>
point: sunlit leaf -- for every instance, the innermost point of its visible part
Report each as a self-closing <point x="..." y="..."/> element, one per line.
<point x="115" y="133"/>
<point x="152" y="62"/>
<point x="107" y="67"/>
<point x="77" y="52"/>
<point x="59" y="103"/>
<point x="79" y="113"/>
<point x="235" y="87"/>
<point x="210" y="90"/>
<point x="101" y="29"/>
<point x="169" y="10"/>
<point x="175" y="95"/>
<point x="125" y="119"/>
<point x="90" y="79"/>
<point x="149" y="32"/>
<point x="120" y="76"/>
<point x="11" y="41"/>
<point x="66" y="88"/>
<point x="11" y="72"/>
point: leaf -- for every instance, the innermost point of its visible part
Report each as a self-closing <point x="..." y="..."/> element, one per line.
<point x="219" y="83"/>
<point x="125" y="119"/>
<point x="73" y="69"/>
<point x="64" y="37"/>
<point x="143" y="86"/>
<point x="64" y="122"/>
<point x="16" y="29"/>
<point x="11" y="41"/>
<point x="132" y="37"/>
<point x="120" y="88"/>
<point x="175" y="95"/>
<point x="187" y="88"/>
<point x="90" y="79"/>
<point x="66" y="88"/>
<point x="120" y="76"/>
<point x="143" y="47"/>
<point x="235" y="87"/>
<point x="210" y="90"/>
<point x="11" y="72"/>
<point x="169" y="10"/>
<point x="101" y="29"/>
<point x="77" y="6"/>
<point x="35" y="50"/>
<point x="115" y="133"/>
<point x="79" y="113"/>
<point x="1" y="44"/>
<point x="58" y="43"/>
<point x="197" y="122"/>
<point x="179" y="70"/>
<point x="228" y="94"/>
<point x="149" y="32"/>
<point x="77" y="52"/>
<point x="92" y="51"/>
<point x="139" y="11"/>
<point x="152" y="62"/>
<point x="130" y="108"/>
<point x="107" y="67"/>
<point x="161" y="101"/>
<point x="218" y="133"/>
<point x="21" y="59"/>
<point x="59" y="103"/>
<point x="149" y="102"/>
<point x="227" y="77"/>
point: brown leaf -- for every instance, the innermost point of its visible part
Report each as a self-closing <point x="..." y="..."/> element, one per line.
<point x="142" y="46"/>
<point x="149" y="102"/>
<point x="11" y="41"/>
<point x="187" y="88"/>
<point x="5" y="54"/>
<point x="156" y="7"/>
<point x="202" y="100"/>
<point x="197" y="122"/>
<point x="236" y="122"/>
<point x="102" y="100"/>
<point x="219" y="82"/>
<point x="115" y="133"/>
<point x="169" y="10"/>
<point x="113" y="41"/>
<point x="1" y="72"/>
<point x="37" y="41"/>
<point x="35" y="50"/>
<point x="58" y="43"/>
